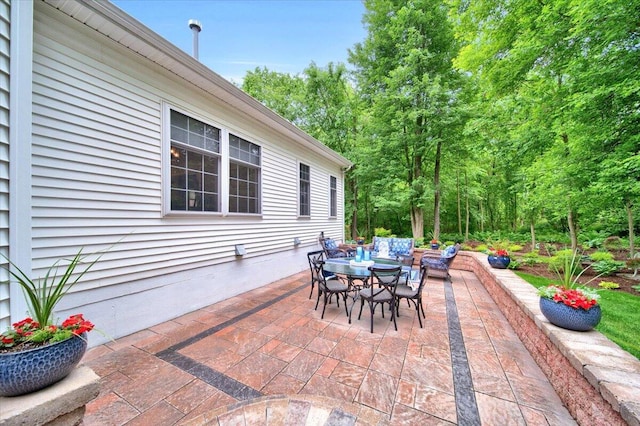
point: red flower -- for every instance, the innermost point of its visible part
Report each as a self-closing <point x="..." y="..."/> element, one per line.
<point x="77" y="324"/>
<point x="574" y="298"/>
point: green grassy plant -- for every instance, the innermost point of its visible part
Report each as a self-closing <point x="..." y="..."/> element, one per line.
<point x="565" y="263"/>
<point x="620" y="315"/>
<point x="607" y="267"/>
<point x="599" y="256"/>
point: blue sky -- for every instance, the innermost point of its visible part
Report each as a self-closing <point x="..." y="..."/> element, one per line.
<point x="239" y="35"/>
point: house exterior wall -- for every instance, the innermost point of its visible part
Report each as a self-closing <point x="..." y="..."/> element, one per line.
<point x="5" y="44"/>
<point x="99" y="118"/>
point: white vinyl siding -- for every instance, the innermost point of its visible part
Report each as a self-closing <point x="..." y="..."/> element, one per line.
<point x="97" y="157"/>
<point x="5" y="27"/>
<point x="99" y="179"/>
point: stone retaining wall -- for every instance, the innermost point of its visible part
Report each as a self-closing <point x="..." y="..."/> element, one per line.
<point x="598" y="381"/>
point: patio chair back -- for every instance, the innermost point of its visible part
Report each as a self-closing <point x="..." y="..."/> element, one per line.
<point x="382" y="290"/>
<point x="331" y="248"/>
<point x="440" y="265"/>
<point x="315" y="259"/>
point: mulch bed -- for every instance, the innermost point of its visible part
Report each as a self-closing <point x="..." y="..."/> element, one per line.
<point x="542" y="270"/>
<point x="624" y="282"/>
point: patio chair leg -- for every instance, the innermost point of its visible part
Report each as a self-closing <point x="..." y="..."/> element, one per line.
<point x="311" y="294"/>
<point x="393" y="317"/>
<point x="325" y="305"/>
<point x="372" y="309"/>
<point x="346" y="311"/>
<point x="318" y="299"/>
<point x="361" y="306"/>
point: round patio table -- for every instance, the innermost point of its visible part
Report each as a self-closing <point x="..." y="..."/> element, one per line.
<point x="360" y="272"/>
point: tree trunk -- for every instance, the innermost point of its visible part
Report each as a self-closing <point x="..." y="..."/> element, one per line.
<point x="417" y="222"/>
<point x="481" y="216"/>
<point x="459" y="202"/>
<point x="573" y="233"/>
<point x="466" y="202"/>
<point x="532" y="227"/>
<point x="436" y="187"/>
<point x="354" y="214"/>
<point x="629" y="208"/>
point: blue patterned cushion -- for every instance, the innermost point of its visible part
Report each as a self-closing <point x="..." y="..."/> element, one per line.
<point x="330" y="244"/>
<point x="402" y="245"/>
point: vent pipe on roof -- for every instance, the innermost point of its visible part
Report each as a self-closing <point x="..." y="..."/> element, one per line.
<point x="196" y="27"/>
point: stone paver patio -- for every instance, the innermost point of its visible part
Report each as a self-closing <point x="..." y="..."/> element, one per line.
<point x="266" y="357"/>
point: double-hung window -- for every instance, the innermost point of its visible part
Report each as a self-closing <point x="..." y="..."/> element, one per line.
<point x="304" y="206"/>
<point x="333" y="196"/>
<point x="195" y="165"/>
<point x="244" y="176"/>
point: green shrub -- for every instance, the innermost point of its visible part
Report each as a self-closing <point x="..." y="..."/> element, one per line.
<point x="612" y="243"/>
<point x="531" y="258"/>
<point x="549" y="248"/>
<point x="608" y="285"/>
<point x="382" y="232"/>
<point x="633" y="263"/>
<point x="593" y="239"/>
<point x="482" y="248"/>
<point x="514" y="247"/>
<point x="514" y="264"/>
<point x="599" y="256"/>
<point x="562" y="259"/>
<point x="607" y="267"/>
<point x="466" y="247"/>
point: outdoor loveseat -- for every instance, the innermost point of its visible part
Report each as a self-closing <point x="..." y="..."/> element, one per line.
<point x="396" y="246"/>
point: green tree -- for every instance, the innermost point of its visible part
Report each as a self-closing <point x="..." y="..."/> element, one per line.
<point x="405" y="76"/>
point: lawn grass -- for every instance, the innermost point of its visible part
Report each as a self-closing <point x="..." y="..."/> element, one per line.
<point x="620" y="315"/>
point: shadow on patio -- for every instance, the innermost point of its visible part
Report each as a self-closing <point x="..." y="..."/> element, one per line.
<point x="266" y="357"/>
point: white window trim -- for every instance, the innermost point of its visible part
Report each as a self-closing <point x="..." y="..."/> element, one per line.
<point x="254" y="141"/>
<point x="225" y="159"/>
<point x="330" y="215"/>
<point x="300" y="215"/>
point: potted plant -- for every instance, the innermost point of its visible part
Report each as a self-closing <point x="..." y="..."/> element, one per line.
<point x="435" y="244"/>
<point x="568" y="304"/>
<point x="498" y="258"/>
<point x="36" y="352"/>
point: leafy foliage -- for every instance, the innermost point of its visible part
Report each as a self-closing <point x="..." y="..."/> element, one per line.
<point x="44" y="294"/>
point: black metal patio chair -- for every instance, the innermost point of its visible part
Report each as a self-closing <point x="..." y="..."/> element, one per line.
<point x="384" y="293"/>
<point x="405" y="291"/>
<point x="327" y="285"/>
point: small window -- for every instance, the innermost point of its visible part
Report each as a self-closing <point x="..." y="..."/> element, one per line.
<point x="333" y="196"/>
<point x="195" y="165"/>
<point x="244" y="176"/>
<point x="305" y="190"/>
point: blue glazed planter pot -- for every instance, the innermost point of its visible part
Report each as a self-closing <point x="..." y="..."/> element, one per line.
<point x="34" y="369"/>
<point x="570" y="318"/>
<point x="499" y="262"/>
